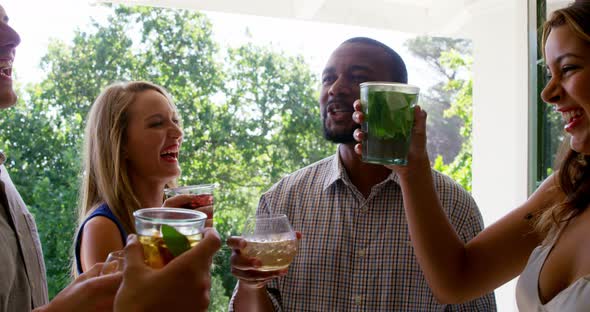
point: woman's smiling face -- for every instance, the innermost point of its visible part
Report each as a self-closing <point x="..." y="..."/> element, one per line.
<point x="153" y="138"/>
<point x="568" y="62"/>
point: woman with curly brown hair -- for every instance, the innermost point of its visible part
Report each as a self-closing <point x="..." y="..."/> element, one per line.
<point x="547" y="239"/>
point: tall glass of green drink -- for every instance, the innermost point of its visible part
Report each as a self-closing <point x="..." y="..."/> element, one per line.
<point x="389" y="118"/>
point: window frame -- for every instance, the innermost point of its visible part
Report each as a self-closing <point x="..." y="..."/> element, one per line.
<point x="539" y="137"/>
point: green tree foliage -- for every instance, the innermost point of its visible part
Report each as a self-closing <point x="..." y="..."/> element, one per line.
<point x="449" y="104"/>
<point x="250" y="116"/>
<point x="273" y="121"/>
<point x="460" y="168"/>
<point x="443" y="132"/>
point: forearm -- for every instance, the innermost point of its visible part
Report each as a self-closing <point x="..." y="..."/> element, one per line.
<point x="41" y="309"/>
<point x="252" y="299"/>
<point x="49" y="307"/>
<point x="438" y="248"/>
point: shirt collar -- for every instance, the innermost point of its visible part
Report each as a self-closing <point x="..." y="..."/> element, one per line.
<point x="337" y="172"/>
<point x="393" y="177"/>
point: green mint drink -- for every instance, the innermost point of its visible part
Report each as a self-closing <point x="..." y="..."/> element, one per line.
<point x="389" y="118"/>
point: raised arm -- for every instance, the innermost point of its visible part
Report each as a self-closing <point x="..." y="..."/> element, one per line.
<point x="458" y="272"/>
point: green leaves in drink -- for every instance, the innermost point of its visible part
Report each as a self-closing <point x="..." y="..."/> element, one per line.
<point x="176" y="242"/>
<point x="390" y="115"/>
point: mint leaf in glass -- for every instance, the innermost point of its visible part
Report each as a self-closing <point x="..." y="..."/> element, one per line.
<point x="390" y="114"/>
<point x="176" y="242"/>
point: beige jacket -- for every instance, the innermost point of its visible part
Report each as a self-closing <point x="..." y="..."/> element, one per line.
<point x="28" y="238"/>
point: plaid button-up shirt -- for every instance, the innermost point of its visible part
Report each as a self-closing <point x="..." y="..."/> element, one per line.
<point x="356" y="253"/>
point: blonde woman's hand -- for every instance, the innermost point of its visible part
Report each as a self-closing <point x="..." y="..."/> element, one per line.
<point x="188" y="201"/>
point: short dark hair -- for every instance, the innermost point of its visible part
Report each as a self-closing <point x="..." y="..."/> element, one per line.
<point x="398" y="69"/>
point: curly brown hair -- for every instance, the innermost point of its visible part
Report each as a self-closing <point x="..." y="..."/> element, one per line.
<point x="572" y="169"/>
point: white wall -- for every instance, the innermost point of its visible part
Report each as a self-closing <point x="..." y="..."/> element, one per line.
<point x="500" y="123"/>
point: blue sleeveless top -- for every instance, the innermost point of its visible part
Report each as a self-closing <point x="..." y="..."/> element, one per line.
<point x="102" y="211"/>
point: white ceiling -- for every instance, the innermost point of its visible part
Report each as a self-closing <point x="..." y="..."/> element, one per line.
<point x="552" y="5"/>
<point x="432" y="17"/>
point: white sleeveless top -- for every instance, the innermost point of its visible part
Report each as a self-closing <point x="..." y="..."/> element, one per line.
<point x="575" y="298"/>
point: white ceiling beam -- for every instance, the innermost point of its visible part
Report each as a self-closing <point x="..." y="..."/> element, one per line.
<point x="307" y="9"/>
<point x="271" y="8"/>
<point x="408" y="18"/>
<point x="371" y="13"/>
<point x="431" y="17"/>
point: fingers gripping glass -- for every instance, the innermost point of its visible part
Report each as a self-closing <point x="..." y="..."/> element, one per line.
<point x="203" y="194"/>
<point x="389" y="118"/>
<point x="114" y="263"/>
<point x="271" y="240"/>
<point x="165" y="233"/>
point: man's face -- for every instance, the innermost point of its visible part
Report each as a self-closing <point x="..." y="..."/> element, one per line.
<point x="350" y="65"/>
<point x="9" y="39"/>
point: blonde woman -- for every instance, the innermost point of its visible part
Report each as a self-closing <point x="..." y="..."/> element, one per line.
<point x="547" y="239"/>
<point x="131" y="151"/>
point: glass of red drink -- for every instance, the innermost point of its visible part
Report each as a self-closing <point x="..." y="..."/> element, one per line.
<point x="203" y="194"/>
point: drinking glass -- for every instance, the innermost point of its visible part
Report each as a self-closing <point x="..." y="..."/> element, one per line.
<point x="271" y="240"/>
<point x="115" y="263"/>
<point x="203" y="194"/>
<point x="167" y="232"/>
<point x="389" y="118"/>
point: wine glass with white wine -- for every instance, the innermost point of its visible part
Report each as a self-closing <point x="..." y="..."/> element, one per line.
<point x="270" y="239"/>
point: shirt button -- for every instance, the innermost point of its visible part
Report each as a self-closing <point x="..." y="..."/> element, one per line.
<point x="361" y="253"/>
<point x="358" y="300"/>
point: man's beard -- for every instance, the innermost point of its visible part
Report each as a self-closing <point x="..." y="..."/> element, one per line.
<point x="345" y="136"/>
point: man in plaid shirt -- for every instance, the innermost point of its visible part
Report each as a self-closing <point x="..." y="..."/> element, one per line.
<point x="355" y="253"/>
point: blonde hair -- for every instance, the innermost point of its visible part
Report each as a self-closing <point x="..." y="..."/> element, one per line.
<point x="104" y="170"/>
<point x="572" y="170"/>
